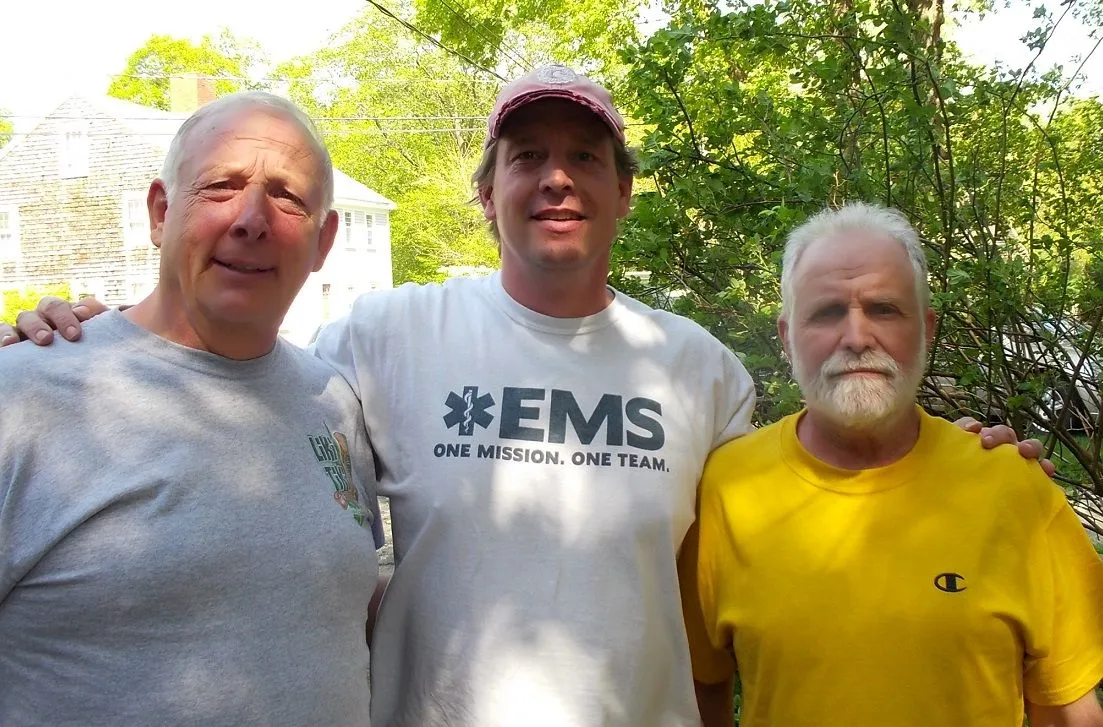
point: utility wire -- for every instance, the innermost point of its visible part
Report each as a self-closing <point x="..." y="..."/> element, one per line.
<point x="507" y="51"/>
<point x="433" y="40"/>
<point x="274" y="79"/>
<point x="313" y="118"/>
<point x="336" y="132"/>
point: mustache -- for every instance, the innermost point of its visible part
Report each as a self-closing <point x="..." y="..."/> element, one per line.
<point x="843" y="362"/>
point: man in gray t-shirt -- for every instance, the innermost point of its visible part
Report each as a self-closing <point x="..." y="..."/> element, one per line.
<point x="187" y="502"/>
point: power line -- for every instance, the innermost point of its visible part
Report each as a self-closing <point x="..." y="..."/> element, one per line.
<point x="509" y="53"/>
<point x="433" y="40"/>
<point x="278" y="79"/>
<point x="313" y="118"/>
<point x="336" y="132"/>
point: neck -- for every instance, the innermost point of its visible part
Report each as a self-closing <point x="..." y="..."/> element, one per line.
<point x="859" y="448"/>
<point x="559" y="294"/>
<point x="186" y="326"/>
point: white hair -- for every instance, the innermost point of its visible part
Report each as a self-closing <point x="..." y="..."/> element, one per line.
<point x="248" y="99"/>
<point x="853" y="216"/>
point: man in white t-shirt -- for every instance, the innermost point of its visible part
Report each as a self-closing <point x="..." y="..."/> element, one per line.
<point x="540" y="437"/>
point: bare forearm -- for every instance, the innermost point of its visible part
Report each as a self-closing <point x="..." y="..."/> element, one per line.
<point x="714" y="702"/>
<point x="1084" y="712"/>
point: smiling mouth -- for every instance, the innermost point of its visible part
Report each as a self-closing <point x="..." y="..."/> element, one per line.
<point x="241" y="268"/>
<point x="559" y="217"/>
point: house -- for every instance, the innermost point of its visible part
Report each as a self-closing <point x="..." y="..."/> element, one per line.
<point x="73" y="210"/>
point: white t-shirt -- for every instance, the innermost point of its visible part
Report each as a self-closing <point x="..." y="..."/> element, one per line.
<point x="542" y="475"/>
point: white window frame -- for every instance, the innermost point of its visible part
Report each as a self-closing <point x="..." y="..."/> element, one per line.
<point x="74" y="148"/>
<point x="133" y="239"/>
<point x="357" y="230"/>
<point x="9" y="235"/>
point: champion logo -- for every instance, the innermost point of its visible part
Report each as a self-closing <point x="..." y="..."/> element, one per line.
<point x="468" y="410"/>
<point x="950" y="582"/>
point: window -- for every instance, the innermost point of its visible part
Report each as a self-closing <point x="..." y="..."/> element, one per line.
<point x="358" y="230"/>
<point x="135" y="220"/>
<point x="9" y="233"/>
<point x="73" y="150"/>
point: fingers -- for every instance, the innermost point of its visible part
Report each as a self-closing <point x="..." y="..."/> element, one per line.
<point x="58" y="314"/>
<point x="1000" y="434"/>
<point x="31" y="326"/>
<point x="1030" y="448"/>
<point x="1033" y="449"/>
<point x="8" y="334"/>
<point x="969" y="424"/>
<point x="88" y="307"/>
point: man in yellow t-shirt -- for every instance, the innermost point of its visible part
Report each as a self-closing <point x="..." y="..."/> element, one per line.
<point x="865" y="563"/>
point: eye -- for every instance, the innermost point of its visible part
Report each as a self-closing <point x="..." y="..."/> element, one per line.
<point x="883" y="310"/>
<point x="828" y="313"/>
<point x="586" y="156"/>
<point x="526" y="155"/>
<point x="285" y="194"/>
<point x="222" y="184"/>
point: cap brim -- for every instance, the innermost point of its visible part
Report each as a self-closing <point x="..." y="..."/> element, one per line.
<point x="545" y="93"/>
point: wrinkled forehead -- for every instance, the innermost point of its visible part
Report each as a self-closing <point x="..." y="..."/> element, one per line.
<point x="855" y="261"/>
<point x="238" y="133"/>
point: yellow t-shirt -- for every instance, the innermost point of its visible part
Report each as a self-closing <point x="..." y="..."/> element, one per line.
<point x="935" y="591"/>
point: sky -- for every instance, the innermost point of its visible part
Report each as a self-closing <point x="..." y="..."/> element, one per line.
<point x="51" y="49"/>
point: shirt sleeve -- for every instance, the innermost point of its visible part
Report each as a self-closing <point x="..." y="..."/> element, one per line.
<point x="335" y="346"/>
<point x="1072" y="665"/>
<point x="733" y="399"/>
<point x="712" y="661"/>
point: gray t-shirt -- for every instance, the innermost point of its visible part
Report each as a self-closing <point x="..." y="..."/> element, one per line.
<point x="184" y="539"/>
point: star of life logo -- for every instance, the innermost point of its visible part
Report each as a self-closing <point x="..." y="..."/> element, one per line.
<point x="550" y="427"/>
<point x="468" y="410"/>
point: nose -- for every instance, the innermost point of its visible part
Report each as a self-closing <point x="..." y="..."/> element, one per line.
<point x="251" y="224"/>
<point x="857" y="331"/>
<point x="556" y="178"/>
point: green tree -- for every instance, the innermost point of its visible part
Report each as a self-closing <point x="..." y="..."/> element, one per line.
<point x="14" y="301"/>
<point x="6" y="128"/>
<point x="145" y="80"/>
<point x="514" y="34"/>
<point x="407" y="119"/>
<point x="757" y="115"/>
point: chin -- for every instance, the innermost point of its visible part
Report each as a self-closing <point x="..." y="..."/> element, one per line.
<point x="561" y="255"/>
<point x="251" y="314"/>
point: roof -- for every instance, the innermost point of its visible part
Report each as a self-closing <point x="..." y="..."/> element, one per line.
<point x="347" y="188"/>
<point x="157" y="127"/>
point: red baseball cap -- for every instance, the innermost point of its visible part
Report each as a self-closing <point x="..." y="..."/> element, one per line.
<point x="554" y="82"/>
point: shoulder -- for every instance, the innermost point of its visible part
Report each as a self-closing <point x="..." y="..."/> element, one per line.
<point x="24" y="367"/>
<point x="671" y="329"/>
<point x="416" y="296"/>
<point x="670" y="323"/>
<point x="318" y="376"/>
<point x="40" y="385"/>
<point x="1017" y="482"/>
<point x="757" y="444"/>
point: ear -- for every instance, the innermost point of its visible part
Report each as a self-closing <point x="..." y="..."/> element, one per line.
<point x="486" y="199"/>
<point x="624" y="185"/>
<point x="157" y="205"/>
<point x="931" y="319"/>
<point x="783" y="335"/>
<point x="326" y="236"/>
